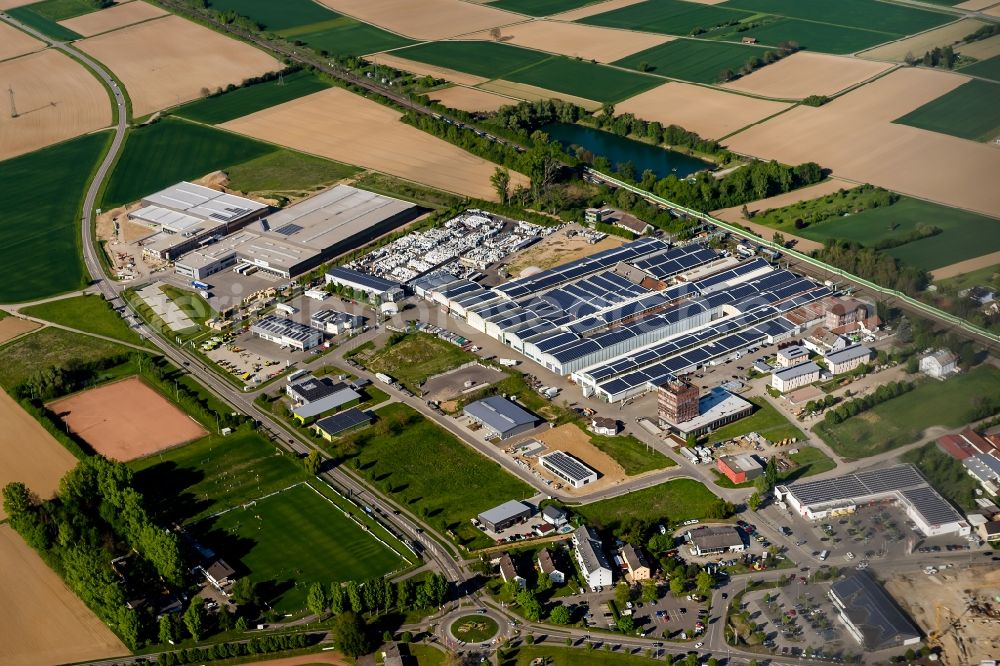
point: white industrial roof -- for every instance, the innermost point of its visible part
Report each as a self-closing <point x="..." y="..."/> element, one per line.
<point x="203" y="202"/>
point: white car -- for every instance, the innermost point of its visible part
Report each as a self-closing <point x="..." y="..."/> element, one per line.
<point x="698" y="645"/>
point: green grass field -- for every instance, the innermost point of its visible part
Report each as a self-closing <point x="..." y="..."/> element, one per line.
<point x="315" y="25"/>
<point x="983" y="276"/>
<point x="474" y="628"/>
<point x="287" y="171"/>
<point x="539" y="7"/>
<point x="901" y="420"/>
<point x="968" y="112"/>
<point x="691" y="60"/>
<point x="60" y="10"/>
<point x="822" y="37"/>
<point x="417" y="357"/>
<point x="987" y="69"/>
<point x="482" y="58"/>
<point x="43" y="16"/>
<point x="866" y="14"/>
<point x="39" y="230"/>
<point x="50" y="347"/>
<point x="810" y="461"/>
<point x="672" y="17"/>
<point x="528" y="655"/>
<point x="766" y="420"/>
<point x="89" y="313"/>
<point x="293" y="539"/>
<point x="681" y="499"/>
<point x="172" y="150"/>
<point x="634" y="456"/>
<point x="584" y="79"/>
<point x="246" y="100"/>
<point x="428" y="470"/>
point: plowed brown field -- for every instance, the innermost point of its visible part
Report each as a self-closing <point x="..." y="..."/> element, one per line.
<point x="425" y="19"/>
<point x="594" y="9"/>
<point x="112" y="18"/>
<point x="804" y="74"/>
<point x="577" y="40"/>
<point x="471" y="99"/>
<point x="14" y="43"/>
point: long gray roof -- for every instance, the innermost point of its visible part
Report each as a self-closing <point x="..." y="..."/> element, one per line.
<point x="873" y="612"/>
<point x="499" y="413"/>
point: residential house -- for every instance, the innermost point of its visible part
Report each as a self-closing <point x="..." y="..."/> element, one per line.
<point x="939" y="364"/>
<point x="636" y="564"/>
<point x="845" y="360"/>
<point x="509" y="572"/>
<point x="547" y="567"/>
<point x="796" y="376"/>
<point x="554" y="515"/>
<point x="600" y="425"/>
<point x="591" y="557"/>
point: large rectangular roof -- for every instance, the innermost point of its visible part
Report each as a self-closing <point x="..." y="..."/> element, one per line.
<point x="873" y="612"/>
<point x="363" y="279"/>
<point x="203" y="202"/>
<point x="506" y="511"/>
<point x="499" y="413"/>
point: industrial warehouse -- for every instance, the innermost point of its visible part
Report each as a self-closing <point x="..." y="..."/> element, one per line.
<point x="204" y="231"/>
<point x="900" y="484"/>
<point x="623" y="321"/>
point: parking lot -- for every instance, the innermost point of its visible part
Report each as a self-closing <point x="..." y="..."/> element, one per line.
<point x="674" y="618"/>
<point x="799" y="619"/>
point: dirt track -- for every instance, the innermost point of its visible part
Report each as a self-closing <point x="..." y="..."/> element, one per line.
<point x="577" y="40"/>
<point x="29" y="454"/>
<point x="170" y="60"/>
<point x="343" y="126"/>
<point x="966" y="266"/>
<point x="56" y="100"/>
<point x="14" y="43"/>
<point x="41" y="620"/>
<point x="711" y="113"/>
<point x="803" y="74"/>
<point x="126" y="420"/>
<point x="112" y="18"/>
<point x="425" y="19"/>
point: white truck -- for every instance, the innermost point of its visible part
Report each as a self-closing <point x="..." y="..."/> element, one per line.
<point x="508" y="362"/>
<point x="385" y="379"/>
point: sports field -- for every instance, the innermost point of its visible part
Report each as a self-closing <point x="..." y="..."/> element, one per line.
<point x="681" y="499"/>
<point x="968" y="112"/>
<point x="242" y="101"/>
<point x="56" y="99"/>
<point x="290" y="540"/>
<point x="315" y="25"/>
<point x="28" y="453"/>
<point x="987" y="69"/>
<point x="50" y="347"/>
<point x="126" y="420"/>
<point x="41" y="620"/>
<point x="671" y="17"/>
<point x="171" y="150"/>
<point x="691" y="60"/>
<point x="429" y="471"/>
<point x="159" y="68"/>
<point x="539" y="7"/>
<point x="89" y="313"/>
<point x="44" y="185"/>
<point x="905" y="419"/>
<point x="112" y="18"/>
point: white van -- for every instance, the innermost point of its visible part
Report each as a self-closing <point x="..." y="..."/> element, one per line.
<point x="823" y="555"/>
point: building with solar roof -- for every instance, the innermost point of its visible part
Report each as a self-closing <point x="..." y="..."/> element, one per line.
<point x="567" y="468"/>
<point x="870" y="615"/>
<point x="901" y="485"/>
<point x="286" y="332"/>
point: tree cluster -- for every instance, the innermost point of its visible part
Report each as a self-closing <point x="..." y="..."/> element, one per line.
<point x="784" y="49"/>
<point x="254" y="646"/>
<point x="883" y="393"/>
<point x="870" y="264"/>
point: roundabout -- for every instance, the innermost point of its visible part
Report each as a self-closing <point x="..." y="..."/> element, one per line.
<point x="473" y="628"/>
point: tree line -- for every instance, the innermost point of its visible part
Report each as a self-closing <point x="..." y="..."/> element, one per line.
<point x="871" y="264"/>
<point x="850" y="408"/>
<point x="96" y="515"/>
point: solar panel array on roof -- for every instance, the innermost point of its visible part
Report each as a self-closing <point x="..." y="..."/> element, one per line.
<point x="459" y="288"/>
<point x="288" y="229"/>
<point x="677" y="260"/>
<point x="474" y="299"/>
<point x="593" y="293"/>
<point x="930" y="505"/>
<point x="564" y="273"/>
<point x="569" y="466"/>
<point x="723" y="277"/>
<point x="496" y="310"/>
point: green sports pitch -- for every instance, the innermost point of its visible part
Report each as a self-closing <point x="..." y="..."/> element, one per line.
<point x="968" y="112"/>
<point x="692" y="60"/>
<point x="39" y="230"/>
<point x="248" y="99"/>
<point x="315" y="25"/>
<point x="292" y="539"/>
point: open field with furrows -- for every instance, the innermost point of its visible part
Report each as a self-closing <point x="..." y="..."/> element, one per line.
<point x="969" y="273"/>
<point x="916" y="45"/>
<point x="56" y="99"/>
<point x="89" y="313"/>
<point x="870" y="148"/>
<point x="968" y="112"/>
<point x="425" y="19"/>
<point x="709" y="112"/>
<point x="489" y="60"/>
<point x="470" y="99"/>
<point x="169" y="151"/>
<point x="342" y="126"/>
<point x="44" y="185"/>
<point x="987" y="69"/>
<point x="290" y="540"/>
<point x="14" y="43"/>
<point x="681" y="499"/>
<point x="113" y="18"/>
<point x="309" y="22"/>
<point x="126" y="420"/>
<point x="803" y="74"/>
<point x="50" y="347"/>
<point x="577" y="40"/>
<point x="41" y="620"/>
<point x="434" y="475"/>
<point x="906" y="418"/>
<point x="691" y="60"/>
<point x="155" y="61"/>
<point x="246" y="100"/>
<point x="28" y="453"/>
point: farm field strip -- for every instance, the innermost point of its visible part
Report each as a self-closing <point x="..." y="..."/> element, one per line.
<point x="12" y="327"/>
<point x="15" y="43"/>
<point x="986" y="69"/>
<point x="803" y="74"/>
<point x="968" y="112"/>
<point x="425" y="19"/>
<point x="577" y="40"/>
<point x="534" y="93"/>
<point x="112" y="18"/>
<point x="916" y="45"/>
<point x="155" y="61"/>
<point x="692" y="60"/>
<point x="471" y="99"/>
<point x="710" y="112"/>
<point x="28" y="453"/>
<point x="864" y="14"/>
<point x="246" y="100"/>
<point x="967" y="266"/>
<point x="424" y="69"/>
<point x="599" y="7"/>
<point x="539" y="7"/>
<point x="56" y="98"/>
<point x="672" y="17"/>
<point x="341" y="126"/>
<point x="984" y="49"/>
